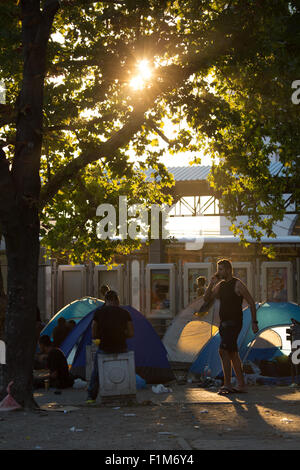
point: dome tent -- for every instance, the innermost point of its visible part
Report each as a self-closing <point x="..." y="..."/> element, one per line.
<point x="189" y="333"/>
<point x="76" y="310"/>
<point x="269" y="315"/>
<point x="150" y="355"/>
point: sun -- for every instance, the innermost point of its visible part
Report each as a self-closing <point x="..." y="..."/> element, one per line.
<point x="144" y="73"/>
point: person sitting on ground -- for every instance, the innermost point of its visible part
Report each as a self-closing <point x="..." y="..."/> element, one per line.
<point x="112" y="325"/>
<point x="57" y="365"/>
<point x="60" y="332"/>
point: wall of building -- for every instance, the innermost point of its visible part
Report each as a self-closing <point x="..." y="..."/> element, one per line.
<point x="161" y="290"/>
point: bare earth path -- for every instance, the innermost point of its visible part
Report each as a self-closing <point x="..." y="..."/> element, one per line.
<point x="188" y="419"/>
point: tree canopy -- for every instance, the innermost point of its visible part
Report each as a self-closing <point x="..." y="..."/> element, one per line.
<point x="223" y="68"/>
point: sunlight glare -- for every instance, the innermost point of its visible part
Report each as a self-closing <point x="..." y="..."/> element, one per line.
<point x="144" y="74"/>
<point x="144" y="69"/>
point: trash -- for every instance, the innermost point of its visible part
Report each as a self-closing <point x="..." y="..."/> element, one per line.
<point x="129" y="414"/>
<point x="60" y="408"/>
<point x="191" y="378"/>
<point x="78" y="384"/>
<point x="164" y="433"/>
<point x="73" y="429"/>
<point x="206" y="372"/>
<point x="204" y="411"/>
<point x="161" y="389"/>
<point x="116" y="408"/>
<point x="9" y="403"/>
<point x="286" y="420"/>
<point x="294" y="385"/>
<point x="208" y="382"/>
<point x="250" y="379"/>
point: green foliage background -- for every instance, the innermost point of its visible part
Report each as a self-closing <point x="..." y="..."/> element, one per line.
<point x="224" y="68"/>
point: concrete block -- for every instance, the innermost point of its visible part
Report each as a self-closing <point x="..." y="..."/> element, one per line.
<point x="117" y="375"/>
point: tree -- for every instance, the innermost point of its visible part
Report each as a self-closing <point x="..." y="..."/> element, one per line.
<point x="70" y="113"/>
<point x="261" y="95"/>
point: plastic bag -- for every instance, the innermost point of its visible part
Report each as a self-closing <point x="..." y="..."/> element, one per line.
<point x="9" y="403"/>
<point x="161" y="389"/>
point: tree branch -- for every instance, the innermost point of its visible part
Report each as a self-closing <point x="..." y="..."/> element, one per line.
<point x="118" y="140"/>
<point x="173" y="76"/>
<point x="158" y="131"/>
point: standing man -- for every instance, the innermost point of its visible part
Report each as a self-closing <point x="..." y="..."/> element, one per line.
<point x="112" y="325"/>
<point x="231" y="291"/>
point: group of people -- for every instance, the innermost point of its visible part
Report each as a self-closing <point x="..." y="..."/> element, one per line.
<point x="112" y="325"/>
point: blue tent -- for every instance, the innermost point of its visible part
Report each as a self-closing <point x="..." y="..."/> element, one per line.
<point x="74" y="311"/>
<point x="150" y="354"/>
<point x="263" y="354"/>
<point x="269" y="315"/>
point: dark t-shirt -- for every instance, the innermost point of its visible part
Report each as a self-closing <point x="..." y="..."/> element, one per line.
<point x="57" y="362"/>
<point x="230" y="302"/>
<point x="112" y="323"/>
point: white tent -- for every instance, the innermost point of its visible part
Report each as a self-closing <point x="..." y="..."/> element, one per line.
<point x="188" y="332"/>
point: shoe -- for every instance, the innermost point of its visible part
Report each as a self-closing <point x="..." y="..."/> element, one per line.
<point x="226" y="391"/>
<point x="90" y="401"/>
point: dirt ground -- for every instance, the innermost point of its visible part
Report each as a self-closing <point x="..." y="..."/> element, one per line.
<point x="187" y="419"/>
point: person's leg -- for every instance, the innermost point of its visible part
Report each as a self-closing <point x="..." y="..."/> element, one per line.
<point x="93" y="387"/>
<point x="224" y="355"/>
<point x="226" y="366"/>
<point x="238" y="369"/>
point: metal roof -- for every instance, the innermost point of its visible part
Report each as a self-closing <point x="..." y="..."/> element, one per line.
<point x="184" y="173"/>
<point x="189" y="173"/>
<point x="201" y="172"/>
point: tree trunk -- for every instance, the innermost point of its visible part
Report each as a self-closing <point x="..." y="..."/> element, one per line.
<point x="19" y="203"/>
<point x="22" y="247"/>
